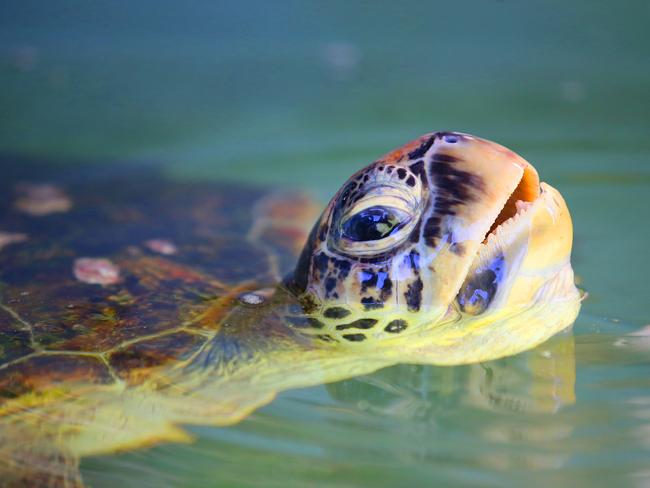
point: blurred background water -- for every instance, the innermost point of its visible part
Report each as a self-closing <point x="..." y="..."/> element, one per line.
<point x="302" y="93"/>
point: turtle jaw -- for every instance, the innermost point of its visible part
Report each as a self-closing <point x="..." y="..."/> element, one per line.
<point x="528" y="247"/>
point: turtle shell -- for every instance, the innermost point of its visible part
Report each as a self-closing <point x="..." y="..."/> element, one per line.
<point x="108" y="272"/>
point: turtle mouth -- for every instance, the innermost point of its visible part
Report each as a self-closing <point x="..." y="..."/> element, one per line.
<point x="527" y="191"/>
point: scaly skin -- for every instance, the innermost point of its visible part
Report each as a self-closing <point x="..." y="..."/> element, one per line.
<point x="446" y="251"/>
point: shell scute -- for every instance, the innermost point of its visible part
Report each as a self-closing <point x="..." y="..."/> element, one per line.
<point x="66" y="314"/>
<point x="15" y="341"/>
<point x="133" y="275"/>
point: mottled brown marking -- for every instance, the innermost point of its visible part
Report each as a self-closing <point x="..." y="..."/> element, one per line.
<point x="39" y="372"/>
<point x="218" y="308"/>
<point x="158" y="268"/>
<point x="133" y="363"/>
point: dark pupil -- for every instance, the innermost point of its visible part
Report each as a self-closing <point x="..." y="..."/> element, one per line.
<point x="371" y="224"/>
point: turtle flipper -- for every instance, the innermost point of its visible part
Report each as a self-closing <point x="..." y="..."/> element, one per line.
<point x="282" y="221"/>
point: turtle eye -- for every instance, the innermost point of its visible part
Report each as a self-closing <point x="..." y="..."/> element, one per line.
<point x="378" y="220"/>
<point x="374" y="223"/>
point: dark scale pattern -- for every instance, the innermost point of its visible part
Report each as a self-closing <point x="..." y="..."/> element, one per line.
<point x="413" y="295"/>
<point x="396" y="326"/>
<point x="343" y="266"/>
<point x="481" y="287"/>
<point x="336" y="312"/>
<point x="453" y="188"/>
<point x="330" y="271"/>
<point x="418" y="170"/>
<point x="369" y="280"/>
<point x="370" y="303"/>
<point x="413" y="259"/>
<point x="415" y="234"/>
<point x="305" y="322"/>
<point x="321" y="262"/>
<point x="358" y="324"/>
<point x="326" y="338"/>
<point x="354" y="337"/>
<point x="444" y="158"/>
<point x="330" y="284"/>
<point x="386" y="288"/>
<point x="424" y="147"/>
<point x="377" y="285"/>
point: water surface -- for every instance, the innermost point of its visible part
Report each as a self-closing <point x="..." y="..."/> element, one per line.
<point x="304" y="93"/>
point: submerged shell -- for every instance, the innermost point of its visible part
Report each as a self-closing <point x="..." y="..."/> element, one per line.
<point x="123" y="278"/>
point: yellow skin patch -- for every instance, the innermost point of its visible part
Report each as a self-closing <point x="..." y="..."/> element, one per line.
<point x="446" y="251"/>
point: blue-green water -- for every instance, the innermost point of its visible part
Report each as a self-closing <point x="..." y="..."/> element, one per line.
<point x="303" y="93"/>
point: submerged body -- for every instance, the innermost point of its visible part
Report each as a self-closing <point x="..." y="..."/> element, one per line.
<point x="129" y="307"/>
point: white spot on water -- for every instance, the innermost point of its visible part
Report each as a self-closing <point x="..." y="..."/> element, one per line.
<point x="342" y="58"/>
<point x="573" y="91"/>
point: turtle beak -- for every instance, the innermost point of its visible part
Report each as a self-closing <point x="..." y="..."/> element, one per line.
<point x="506" y="237"/>
<point x="524" y="259"/>
<point x="484" y="184"/>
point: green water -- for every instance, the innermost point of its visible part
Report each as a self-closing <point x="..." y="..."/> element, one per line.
<point x="303" y="93"/>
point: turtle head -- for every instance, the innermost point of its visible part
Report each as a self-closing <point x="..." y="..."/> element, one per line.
<point x="448" y="226"/>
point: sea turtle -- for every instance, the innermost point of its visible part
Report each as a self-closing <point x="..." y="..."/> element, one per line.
<point x="131" y="305"/>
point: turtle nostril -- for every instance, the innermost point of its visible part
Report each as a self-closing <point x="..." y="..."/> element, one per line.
<point x="450" y="138"/>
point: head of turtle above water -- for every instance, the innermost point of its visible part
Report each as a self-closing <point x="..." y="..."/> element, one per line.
<point x="445" y="251"/>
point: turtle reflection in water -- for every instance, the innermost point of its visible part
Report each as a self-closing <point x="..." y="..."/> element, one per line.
<point x="131" y="306"/>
